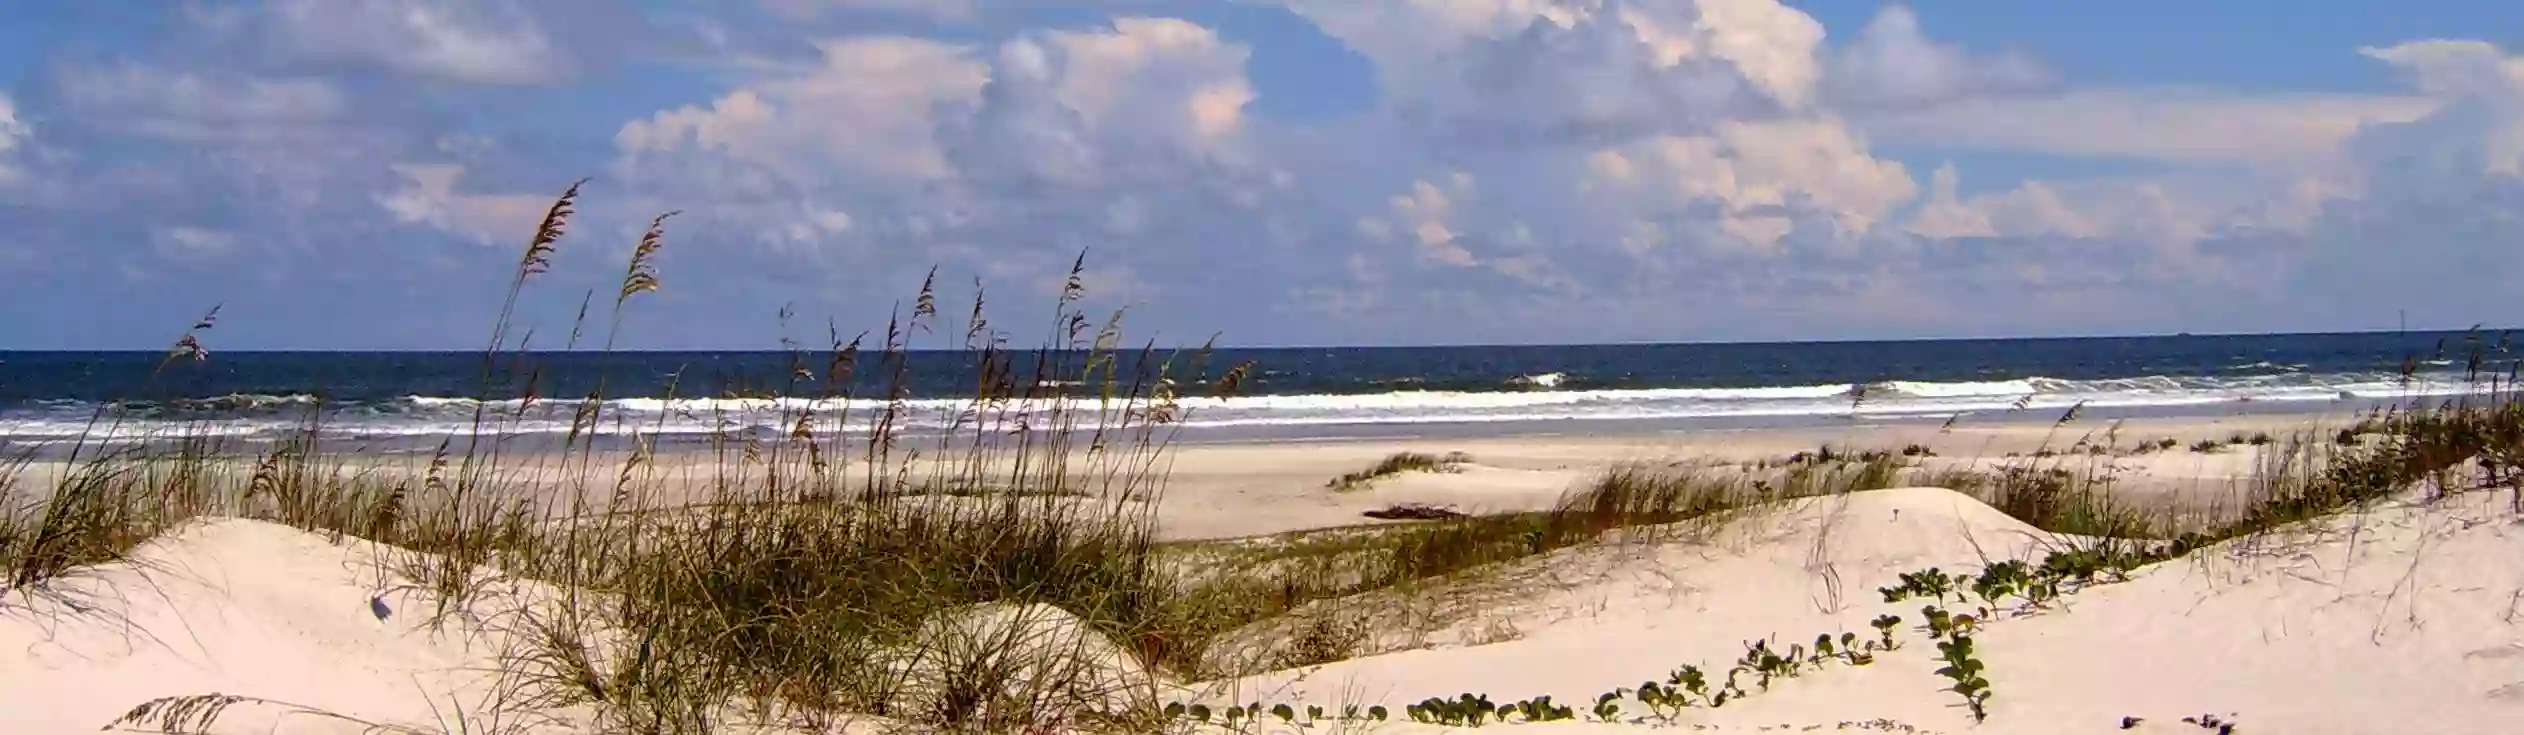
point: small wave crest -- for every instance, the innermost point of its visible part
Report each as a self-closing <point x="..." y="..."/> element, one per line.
<point x="1540" y="380"/>
<point x="1547" y="397"/>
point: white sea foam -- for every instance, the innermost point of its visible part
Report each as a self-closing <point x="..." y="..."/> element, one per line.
<point x="1544" y="380"/>
<point x="423" y="416"/>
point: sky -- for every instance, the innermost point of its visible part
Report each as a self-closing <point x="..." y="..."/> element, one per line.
<point x="365" y="174"/>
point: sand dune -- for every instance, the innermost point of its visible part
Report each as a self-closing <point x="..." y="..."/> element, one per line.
<point x="245" y="608"/>
<point x="2399" y="619"/>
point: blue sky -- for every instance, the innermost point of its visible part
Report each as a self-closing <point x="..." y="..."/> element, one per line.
<point x="361" y="174"/>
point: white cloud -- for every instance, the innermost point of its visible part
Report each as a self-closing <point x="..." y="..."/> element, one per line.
<point x="1156" y="76"/>
<point x="429" y="197"/>
<point x="1753" y="172"/>
<point x="474" y="41"/>
<point x="2173" y="125"/>
<point x="929" y="140"/>
<point x="1893" y="63"/>
<point x="1421" y="215"/>
<point x="188" y="243"/>
<point x="1556" y="70"/>
<point x="1564" y="170"/>
<point x="872" y="108"/>
<point x="2457" y="69"/>
<point x="13" y="135"/>
<point x="2484" y="91"/>
<point x="1772" y="44"/>
<point x="200" y="106"/>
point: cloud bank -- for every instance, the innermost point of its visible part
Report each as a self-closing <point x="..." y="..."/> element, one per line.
<point x="357" y="173"/>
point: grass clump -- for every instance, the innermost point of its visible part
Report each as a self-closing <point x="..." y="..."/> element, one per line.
<point x="1398" y="463"/>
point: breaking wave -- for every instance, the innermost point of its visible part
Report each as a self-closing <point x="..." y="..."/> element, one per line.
<point x="1533" y="398"/>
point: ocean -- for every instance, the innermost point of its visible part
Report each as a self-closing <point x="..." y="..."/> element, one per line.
<point x="50" y="398"/>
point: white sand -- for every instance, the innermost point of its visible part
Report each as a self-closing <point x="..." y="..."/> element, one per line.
<point x="2411" y="628"/>
<point x="2401" y="620"/>
<point x="237" y="607"/>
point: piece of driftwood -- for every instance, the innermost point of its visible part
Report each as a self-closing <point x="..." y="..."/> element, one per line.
<point x="1413" y="512"/>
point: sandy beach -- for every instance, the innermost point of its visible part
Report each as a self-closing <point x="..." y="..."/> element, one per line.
<point x="2397" y="619"/>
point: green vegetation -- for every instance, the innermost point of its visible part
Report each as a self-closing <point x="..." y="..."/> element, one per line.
<point x="1396" y="464"/>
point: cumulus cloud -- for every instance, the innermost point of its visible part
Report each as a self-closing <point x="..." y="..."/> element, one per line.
<point x="1534" y="170"/>
<point x="872" y="107"/>
<point x="2482" y="127"/>
<point x="1420" y="217"/>
<point x="1893" y="63"/>
<point x="954" y="145"/>
<point x="1753" y="172"/>
<point x="1545" y="71"/>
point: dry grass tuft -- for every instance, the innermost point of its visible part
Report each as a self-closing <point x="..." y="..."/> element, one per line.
<point x="1399" y="463"/>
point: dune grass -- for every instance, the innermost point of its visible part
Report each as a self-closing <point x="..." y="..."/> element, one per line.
<point x="1399" y="463"/>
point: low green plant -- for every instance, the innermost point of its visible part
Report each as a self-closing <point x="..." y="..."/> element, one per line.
<point x="1849" y="649"/>
<point x="1884" y="625"/>
<point x="1931" y="583"/>
<point x="1685" y="688"/>
<point x="1539" y="709"/>
<point x="1465" y="710"/>
<point x="1286" y="713"/>
<point x="1766" y="665"/>
<point x="1962" y="668"/>
<point x="2013" y="577"/>
<point x="1942" y="624"/>
<point x="1608" y="706"/>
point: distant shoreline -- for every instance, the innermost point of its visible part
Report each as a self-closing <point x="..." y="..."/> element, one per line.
<point x="685" y="445"/>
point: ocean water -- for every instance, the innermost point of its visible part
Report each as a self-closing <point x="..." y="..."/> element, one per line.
<point x="55" y="397"/>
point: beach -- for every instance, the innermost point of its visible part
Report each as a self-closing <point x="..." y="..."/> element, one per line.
<point x="1033" y="367"/>
<point x="2397" y="618"/>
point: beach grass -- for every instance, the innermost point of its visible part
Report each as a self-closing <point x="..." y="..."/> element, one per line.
<point x="1399" y="463"/>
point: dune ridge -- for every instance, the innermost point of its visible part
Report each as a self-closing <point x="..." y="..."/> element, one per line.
<point x="2405" y="612"/>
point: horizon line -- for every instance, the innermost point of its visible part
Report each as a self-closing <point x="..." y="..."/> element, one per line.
<point x="1459" y="346"/>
